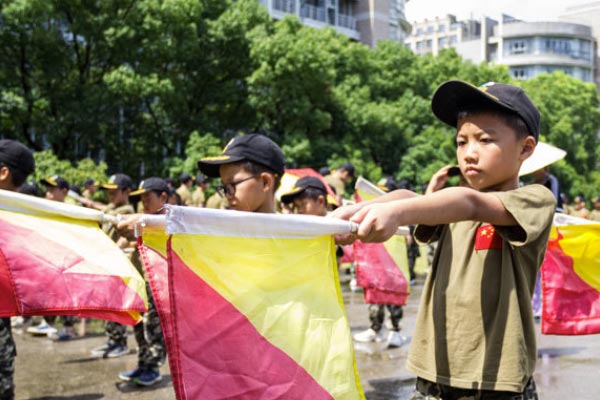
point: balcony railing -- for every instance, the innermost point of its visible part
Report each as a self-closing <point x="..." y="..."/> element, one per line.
<point x="312" y="12"/>
<point x="287" y="6"/>
<point x="347" y="21"/>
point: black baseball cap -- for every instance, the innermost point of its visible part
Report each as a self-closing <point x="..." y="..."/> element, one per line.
<point x="201" y="178"/>
<point x="301" y="185"/>
<point x="256" y="148"/>
<point x="118" y="181"/>
<point x="55" y="181"/>
<point x="452" y="97"/>
<point x="90" y="181"/>
<point x="348" y="167"/>
<point x="185" y="177"/>
<point x="151" y="184"/>
<point x="16" y="155"/>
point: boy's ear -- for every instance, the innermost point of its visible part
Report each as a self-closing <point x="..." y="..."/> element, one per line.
<point x="268" y="181"/>
<point x="4" y="173"/>
<point x="321" y="200"/>
<point x="528" y="146"/>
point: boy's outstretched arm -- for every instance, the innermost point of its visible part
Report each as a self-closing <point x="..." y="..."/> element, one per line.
<point x="347" y="212"/>
<point x="379" y="221"/>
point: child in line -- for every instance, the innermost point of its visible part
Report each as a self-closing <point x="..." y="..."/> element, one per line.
<point x="475" y="335"/>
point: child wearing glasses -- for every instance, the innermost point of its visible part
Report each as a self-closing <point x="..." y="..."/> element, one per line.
<point x="250" y="168"/>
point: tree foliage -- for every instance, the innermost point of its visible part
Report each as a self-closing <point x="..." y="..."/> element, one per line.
<point x="134" y="83"/>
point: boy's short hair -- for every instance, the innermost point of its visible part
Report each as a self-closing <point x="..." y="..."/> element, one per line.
<point x="255" y="148"/>
<point x="307" y="186"/>
<point x="455" y="97"/>
<point x="257" y="169"/>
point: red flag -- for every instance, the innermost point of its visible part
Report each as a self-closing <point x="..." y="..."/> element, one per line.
<point x="487" y="238"/>
<point x="571" y="281"/>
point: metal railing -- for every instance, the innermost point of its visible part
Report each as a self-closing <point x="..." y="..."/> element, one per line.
<point x="287" y="6"/>
<point x="312" y="12"/>
<point x="347" y="21"/>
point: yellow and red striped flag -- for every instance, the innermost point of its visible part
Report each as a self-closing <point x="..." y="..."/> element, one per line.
<point x="571" y="281"/>
<point x="256" y="308"/>
<point x="55" y="260"/>
<point x="381" y="268"/>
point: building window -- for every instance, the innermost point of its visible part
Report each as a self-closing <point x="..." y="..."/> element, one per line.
<point x="419" y="45"/>
<point x="453" y="40"/>
<point x="419" y="31"/>
<point x="519" y="72"/>
<point x="517" y="47"/>
<point x="442" y="42"/>
<point x="430" y="29"/>
<point x="442" y="28"/>
<point x="429" y="43"/>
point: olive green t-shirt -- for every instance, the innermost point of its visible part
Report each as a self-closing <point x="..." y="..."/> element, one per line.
<point x="107" y="227"/>
<point x="198" y="198"/>
<point x="185" y="194"/>
<point x="475" y="327"/>
<point x="338" y="185"/>
<point x="594" y="215"/>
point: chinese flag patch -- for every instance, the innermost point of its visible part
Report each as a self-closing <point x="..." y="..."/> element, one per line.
<point x="487" y="238"/>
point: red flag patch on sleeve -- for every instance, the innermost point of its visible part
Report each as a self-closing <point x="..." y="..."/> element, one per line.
<point x="487" y="238"/>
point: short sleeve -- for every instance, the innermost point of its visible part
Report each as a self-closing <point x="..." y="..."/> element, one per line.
<point x="532" y="206"/>
<point x="425" y="234"/>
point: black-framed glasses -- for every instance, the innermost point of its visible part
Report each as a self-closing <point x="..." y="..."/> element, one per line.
<point x="228" y="189"/>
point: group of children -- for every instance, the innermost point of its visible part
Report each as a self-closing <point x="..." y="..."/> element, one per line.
<point x="474" y="337"/>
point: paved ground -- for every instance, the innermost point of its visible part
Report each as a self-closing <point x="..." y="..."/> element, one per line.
<point x="568" y="367"/>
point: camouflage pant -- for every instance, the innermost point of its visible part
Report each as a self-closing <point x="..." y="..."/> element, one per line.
<point x="434" y="391"/>
<point x="116" y="332"/>
<point x="377" y="315"/>
<point x="149" y="337"/>
<point x="8" y="352"/>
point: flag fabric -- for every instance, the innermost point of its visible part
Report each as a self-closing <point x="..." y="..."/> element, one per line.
<point x="571" y="281"/>
<point x="55" y="260"/>
<point x="289" y="178"/>
<point x="153" y="251"/>
<point x="381" y="268"/>
<point x="256" y="308"/>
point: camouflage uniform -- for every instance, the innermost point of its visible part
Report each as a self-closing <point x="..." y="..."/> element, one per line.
<point x="149" y="337"/>
<point x="377" y="315"/>
<point x="117" y="333"/>
<point x="8" y="352"/>
<point x="427" y="390"/>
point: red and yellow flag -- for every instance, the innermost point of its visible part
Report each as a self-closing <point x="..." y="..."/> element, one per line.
<point x="256" y="308"/>
<point x="571" y="281"/>
<point x="381" y="268"/>
<point x="55" y="260"/>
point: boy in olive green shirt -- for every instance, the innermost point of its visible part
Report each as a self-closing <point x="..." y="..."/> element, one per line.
<point x="474" y="336"/>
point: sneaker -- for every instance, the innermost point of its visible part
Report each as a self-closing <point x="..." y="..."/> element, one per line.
<point x="368" y="336"/>
<point x="63" y="335"/>
<point x="148" y="377"/>
<point x="131" y="374"/>
<point x="42" y="329"/>
<point x="117" y="350"/>
<point x="395" y="339"/>
<point x="100" y="350"/>
<point x="110" y="350"/>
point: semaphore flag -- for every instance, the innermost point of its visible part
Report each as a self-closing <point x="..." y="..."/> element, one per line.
<point x="571" y="281"/>
<point x="381" y="268"/>
<point x="55" y="260"/>
<point x="256" y="308"/>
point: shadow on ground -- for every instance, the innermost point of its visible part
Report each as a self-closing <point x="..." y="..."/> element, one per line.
<point x="391" y="389"/>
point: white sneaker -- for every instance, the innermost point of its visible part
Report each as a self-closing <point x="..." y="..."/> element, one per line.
<point x="395" y="339"/>
<point x="368" y="336"/>
<point x="43" y="329"/>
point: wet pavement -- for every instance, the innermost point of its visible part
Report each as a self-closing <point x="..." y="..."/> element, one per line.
<point x="568" y="367"/>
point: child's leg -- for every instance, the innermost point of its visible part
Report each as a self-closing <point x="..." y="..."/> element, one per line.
<point x="396" y="314"/>
<point x="376" y="315"/>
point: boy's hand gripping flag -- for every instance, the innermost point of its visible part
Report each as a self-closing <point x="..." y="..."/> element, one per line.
<point x="256" y="310"/>
<point x="54" y="260"/>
